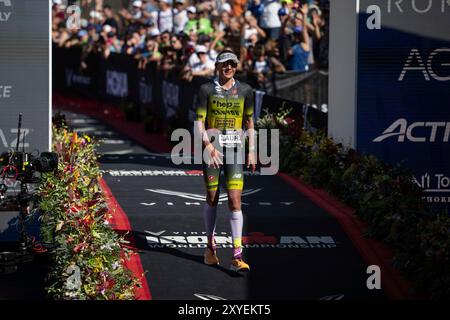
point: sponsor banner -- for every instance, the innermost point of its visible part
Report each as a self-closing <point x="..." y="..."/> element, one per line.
<point x="160" y="204"/>
<point x="403" y="79"/>
<point x="24" y="74"/>
<point x="116" y="83"/>
<point x="5" y="11"/>
<point x="252" y="240"/>
<point x="171" y="98"/>
<point x="436" y="187"/>
<point x="73" y="78"/>
<point x="189" y="94"/>
<point x="118" y="80"/>
<point x="71" y="75"/>
<point x="162" y="173"/>
<point x="145" y="88"/>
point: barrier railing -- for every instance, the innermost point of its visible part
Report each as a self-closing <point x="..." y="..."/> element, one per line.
<point x="118" y="81"/>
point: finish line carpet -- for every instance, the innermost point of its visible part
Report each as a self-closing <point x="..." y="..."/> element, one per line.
<point x="295" y="249"/>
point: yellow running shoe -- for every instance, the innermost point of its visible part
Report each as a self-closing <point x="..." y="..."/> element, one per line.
<point x="210" y="257"/>
<point x="239" y="265"/>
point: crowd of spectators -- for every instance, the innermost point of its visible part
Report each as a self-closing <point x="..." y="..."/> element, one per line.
<point x="185" y="36"/>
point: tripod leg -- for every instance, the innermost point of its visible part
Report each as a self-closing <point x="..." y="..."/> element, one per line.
<point x="23" y="244"/>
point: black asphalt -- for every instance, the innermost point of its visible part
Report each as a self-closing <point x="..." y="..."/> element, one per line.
<point x="297" y="250"/>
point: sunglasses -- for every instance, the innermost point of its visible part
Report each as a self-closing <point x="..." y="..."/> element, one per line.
<point x="229" y="63"/>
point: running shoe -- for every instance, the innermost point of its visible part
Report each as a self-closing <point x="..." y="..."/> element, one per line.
<point x="210" y="257"/>
<point x="239" y="265"/>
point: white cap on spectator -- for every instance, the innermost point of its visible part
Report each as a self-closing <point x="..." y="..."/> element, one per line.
<point x="226" y="7"/>
<point x="191" y="9"/>
<point x="179" y="1"/>
<point x="57" y="2"/>
<point x="83" y="23"/>
<point x="201" y="49"/>
<point x="95" y="14"/>
<point x="314" y="7"/>
<point x="107" y="28"/>
<point x="167" y="1"/>
<point x="137" y="3"/>
<point x="155" y="32"/>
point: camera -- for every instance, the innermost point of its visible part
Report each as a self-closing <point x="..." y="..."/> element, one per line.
<point x="21" y="166"/>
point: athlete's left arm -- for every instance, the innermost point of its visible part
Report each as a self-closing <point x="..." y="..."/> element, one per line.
<point x="250" y="127"/>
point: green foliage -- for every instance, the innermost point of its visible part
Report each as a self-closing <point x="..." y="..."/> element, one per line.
<point x="74" y="215"/>
<point x="385" y="197"/>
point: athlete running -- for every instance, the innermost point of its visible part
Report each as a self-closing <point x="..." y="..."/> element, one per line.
<point x="224" y="109"/>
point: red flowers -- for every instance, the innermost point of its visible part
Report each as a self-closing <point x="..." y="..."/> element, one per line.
<point x="79" y="247"/>
<point x="73" y="209"/>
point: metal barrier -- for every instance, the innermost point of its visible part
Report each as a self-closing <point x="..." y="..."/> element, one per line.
<point x="118" y="81"/>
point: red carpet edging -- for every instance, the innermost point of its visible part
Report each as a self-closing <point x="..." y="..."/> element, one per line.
<point x="120" y="223"/>
<point x="112" y="116"/>
<point x="374" y="252"/>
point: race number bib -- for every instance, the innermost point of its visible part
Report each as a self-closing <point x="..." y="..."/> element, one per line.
<point x="230" y="139"/>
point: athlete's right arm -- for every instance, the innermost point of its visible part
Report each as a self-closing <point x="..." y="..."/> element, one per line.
<point x="201" y="111"/>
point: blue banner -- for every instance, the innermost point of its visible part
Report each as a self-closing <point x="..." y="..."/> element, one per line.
<point x="403" y="89"/>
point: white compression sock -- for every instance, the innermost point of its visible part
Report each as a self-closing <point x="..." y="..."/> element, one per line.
<point x="236" y="222"/>
<point x="209" y="216"/>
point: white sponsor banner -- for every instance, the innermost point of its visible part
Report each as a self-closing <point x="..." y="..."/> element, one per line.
<point x="74" y="78"/>
<point x="25" y="73"/>
<point x="256" y="240"/>
<point x="161" y="173"/>
<point x="171" y="96"/>
<point x="5" y="11"/>
<point x="116" y="83"/>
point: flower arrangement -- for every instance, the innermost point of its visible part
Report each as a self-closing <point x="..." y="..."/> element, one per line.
<point x="384" y="196"/>
<point x="89" y="260"/>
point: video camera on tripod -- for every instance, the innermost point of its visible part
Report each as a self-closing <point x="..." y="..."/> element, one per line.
<point x="22" y="167"/>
